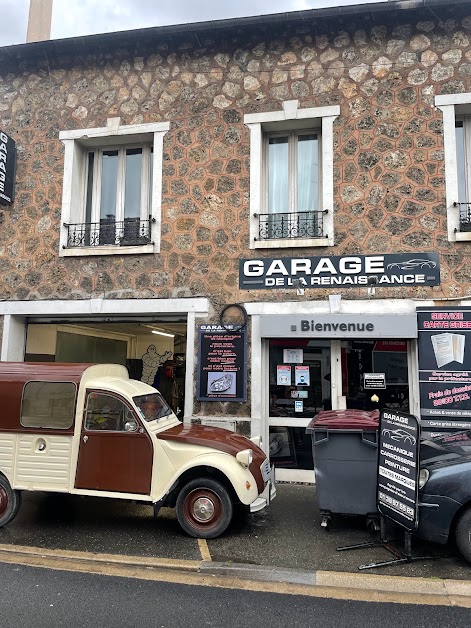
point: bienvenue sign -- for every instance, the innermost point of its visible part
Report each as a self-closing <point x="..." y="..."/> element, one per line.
<point x="410" y="269"/>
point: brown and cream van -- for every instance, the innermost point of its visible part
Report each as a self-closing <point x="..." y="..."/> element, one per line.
<point x="90" y="430"/>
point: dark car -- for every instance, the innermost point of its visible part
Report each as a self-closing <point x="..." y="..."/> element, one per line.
<point x="445" y="491"/>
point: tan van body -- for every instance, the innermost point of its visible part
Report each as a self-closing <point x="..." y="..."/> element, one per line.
<point x="90" y="430"/>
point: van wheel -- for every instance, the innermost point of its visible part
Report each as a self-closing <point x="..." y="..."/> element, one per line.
<point x="463" y="535"/>
<point x="10" y="502"/>
<point x="204" y="508"/>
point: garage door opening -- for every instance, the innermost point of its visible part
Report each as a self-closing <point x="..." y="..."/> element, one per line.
<point x="153" y="352"/>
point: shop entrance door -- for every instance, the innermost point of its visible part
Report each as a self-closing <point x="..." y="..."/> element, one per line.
<point x="299" y="388"/>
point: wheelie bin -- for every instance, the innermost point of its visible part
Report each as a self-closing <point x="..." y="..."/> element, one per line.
<point x="344" y="447"/>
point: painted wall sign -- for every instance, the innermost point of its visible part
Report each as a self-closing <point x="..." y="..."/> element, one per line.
<point x="445" y="367"/>
<point x="7" y="168"/>
<point x="398" y="269"/>
<point x="338" y="326"/>
<point x="398" y="468"/>
<point x="222" y="364"/>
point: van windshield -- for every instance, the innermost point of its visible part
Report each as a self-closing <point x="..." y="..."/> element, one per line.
<point x="152" y="406"/>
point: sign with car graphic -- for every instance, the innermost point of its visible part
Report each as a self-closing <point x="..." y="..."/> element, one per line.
<point x="398" y="468"/>
<point x="222" y="364"/>
<point x="348" y="271"/>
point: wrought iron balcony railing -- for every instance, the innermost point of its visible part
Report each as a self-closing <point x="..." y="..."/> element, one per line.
<point x="465" y="216"/>
<point x="129" y="232"/>
<point x="288" y="225"/>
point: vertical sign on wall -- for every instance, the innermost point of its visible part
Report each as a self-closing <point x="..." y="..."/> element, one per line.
<point x="398" y="468"/>
<point x="445" y="367"/>
<point x="7" y="168"/>
<point x="222" y="364"/>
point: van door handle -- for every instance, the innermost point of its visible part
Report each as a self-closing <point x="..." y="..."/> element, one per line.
<point x="85" y="438"/>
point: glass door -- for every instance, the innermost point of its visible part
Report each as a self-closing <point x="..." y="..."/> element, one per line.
<point x="299" y="388"/>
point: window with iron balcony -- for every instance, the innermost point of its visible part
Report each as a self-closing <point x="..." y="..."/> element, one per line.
<point x="291" y="177"/>
<point x="456" y="110"/>
<point x="111" y="201"/>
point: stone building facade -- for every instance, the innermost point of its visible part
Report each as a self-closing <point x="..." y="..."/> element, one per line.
<point x="376" y="72"/>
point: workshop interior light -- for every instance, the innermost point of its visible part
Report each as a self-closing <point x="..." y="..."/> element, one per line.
<point x="158" y="331"/>
<point x="163" y="333"/>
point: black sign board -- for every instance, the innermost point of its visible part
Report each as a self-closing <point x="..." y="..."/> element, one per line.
<point x="398" y="468"/>
<point x="222" y="364"/>
<point x="7" y="168"/>
<point x="347" y="271"/>
<point x="445" y="367"/>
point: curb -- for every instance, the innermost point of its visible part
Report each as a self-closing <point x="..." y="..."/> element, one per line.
<point x="342" y="580"/>
<point x="388" y="585"/>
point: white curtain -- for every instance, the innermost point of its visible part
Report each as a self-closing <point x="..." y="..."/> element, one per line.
<point x="278" y="189"/>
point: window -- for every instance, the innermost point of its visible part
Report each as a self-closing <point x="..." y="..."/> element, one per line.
<point x="463" y="164"/>
<point x="456" y="110"/>
<point x="291" y="176"/>
<point x="48" y="405"/>
<point x="107" y="413"/>
<point x="112" y="189"/>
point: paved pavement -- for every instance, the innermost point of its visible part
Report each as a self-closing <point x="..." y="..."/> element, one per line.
<point x="284" y="542"/>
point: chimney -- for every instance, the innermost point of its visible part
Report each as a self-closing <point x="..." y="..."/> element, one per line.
<point x="39" y="20"/>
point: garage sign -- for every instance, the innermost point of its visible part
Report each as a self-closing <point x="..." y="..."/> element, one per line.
<point x="398" y="468"/>
<point x="7" y="168"/>
<point x="347" y="271"/>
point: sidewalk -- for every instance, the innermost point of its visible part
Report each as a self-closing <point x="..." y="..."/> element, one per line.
<point x="283" y="543"/>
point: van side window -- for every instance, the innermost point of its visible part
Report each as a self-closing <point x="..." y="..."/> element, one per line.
<point x="48" y="405"/>
<point x="105" y="412"/>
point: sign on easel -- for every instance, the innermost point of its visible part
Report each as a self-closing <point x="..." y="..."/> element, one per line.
<point x="398" y="468"/>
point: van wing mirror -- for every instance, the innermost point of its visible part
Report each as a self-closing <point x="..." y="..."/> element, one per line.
<point x="130" y="426"/>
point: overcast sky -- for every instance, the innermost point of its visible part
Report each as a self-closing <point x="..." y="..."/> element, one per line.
<point x="84" y="17"/>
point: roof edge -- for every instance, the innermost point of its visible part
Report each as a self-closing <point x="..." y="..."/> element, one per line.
<point x="387" y="6"/>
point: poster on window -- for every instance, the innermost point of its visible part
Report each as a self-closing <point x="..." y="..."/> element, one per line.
<point x="445" y="367"/>
<point x="222" y="360"/>
<point x="301" y="376"/>
<point x="293" y="356"/>
<point x="283" y="375"/>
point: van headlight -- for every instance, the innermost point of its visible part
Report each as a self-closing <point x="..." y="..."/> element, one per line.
<point x="245" y="457"/>
<point x="424" y="475"/>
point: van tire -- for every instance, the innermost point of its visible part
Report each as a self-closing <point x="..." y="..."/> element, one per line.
<point x="463" y="535"/>
<point x="204" y="508"/>
<point x="10" y="502"/>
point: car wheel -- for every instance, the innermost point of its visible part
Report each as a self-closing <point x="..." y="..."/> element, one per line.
<point x="463" y="535"/>
<point x="204" y="508"/>
<point x="10" y="502"/>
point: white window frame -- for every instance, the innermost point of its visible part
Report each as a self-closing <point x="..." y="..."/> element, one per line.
<point x="453" y="107"/>
<point x="291" y="118"/>
<point x="77" y="144"/>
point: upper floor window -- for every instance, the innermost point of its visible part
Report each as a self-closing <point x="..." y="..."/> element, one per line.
<point x="291" y="177"/>
<point x="456" y="110"/>
<point x="463" y="164"/>
<point x="112" y="189"/>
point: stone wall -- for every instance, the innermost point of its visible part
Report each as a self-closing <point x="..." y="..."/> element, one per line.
<point x="389" y="180"/>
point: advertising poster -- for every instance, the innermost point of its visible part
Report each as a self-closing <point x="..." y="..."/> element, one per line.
<point x="283" y="375"/>
<point x="293" y="356"/>
<point x="445" y="367"/>
<point x="398" y="468"/>
<point x="301" y="376"/>
<point x="222" y="364"/>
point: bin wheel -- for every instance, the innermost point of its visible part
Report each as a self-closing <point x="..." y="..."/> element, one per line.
<point x="326" y="523"/>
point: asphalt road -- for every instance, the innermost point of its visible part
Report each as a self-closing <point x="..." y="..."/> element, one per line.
<point x="44" y="598"/>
